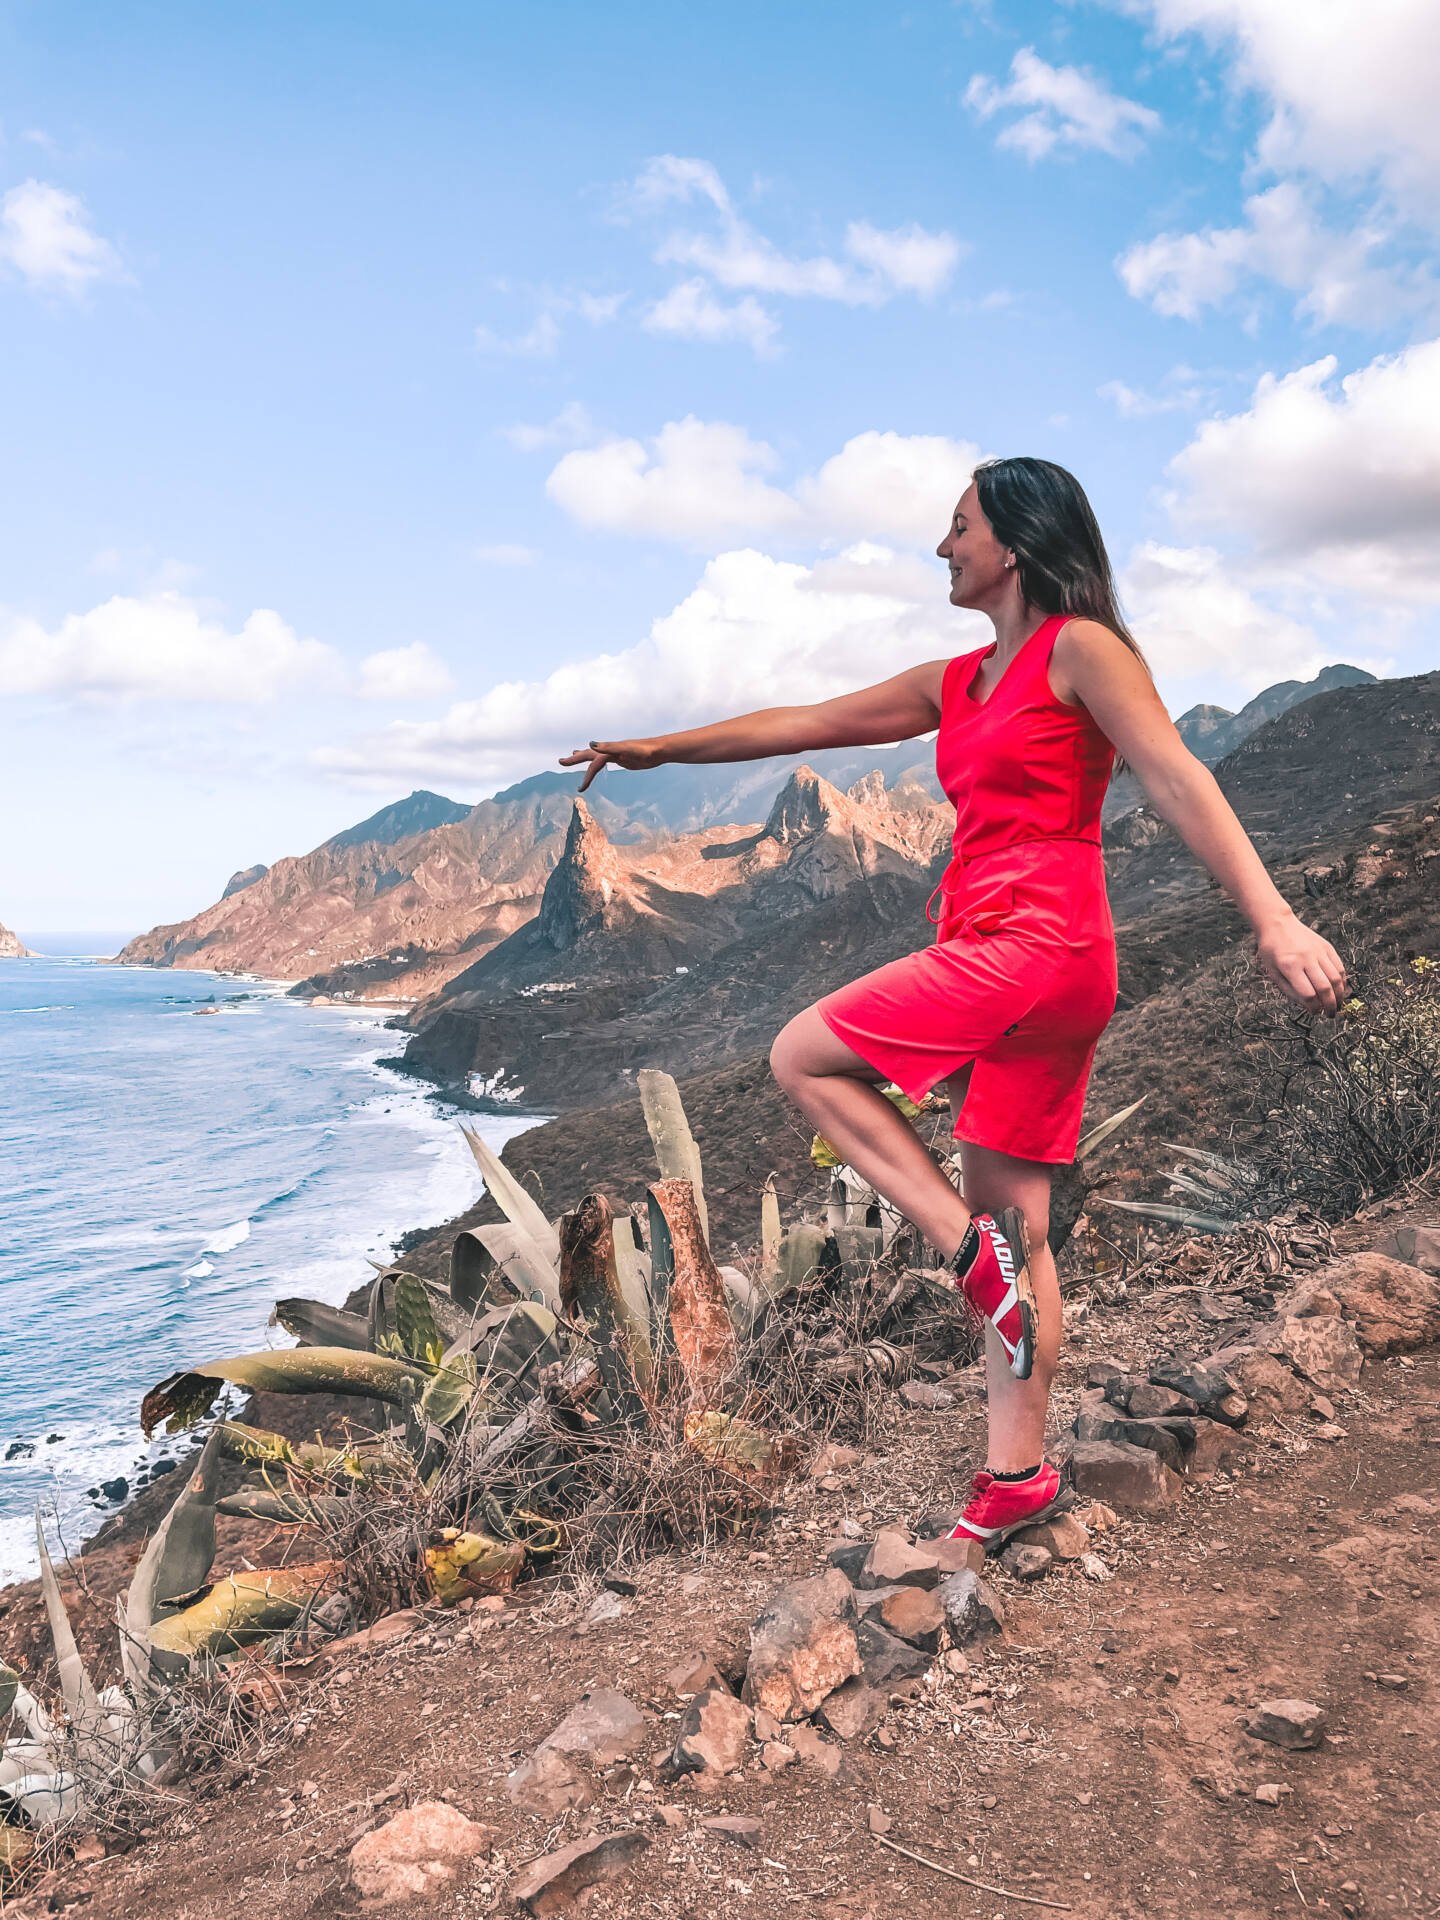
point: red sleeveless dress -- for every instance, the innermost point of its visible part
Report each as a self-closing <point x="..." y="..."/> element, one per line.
<point x="1019" y="982"/>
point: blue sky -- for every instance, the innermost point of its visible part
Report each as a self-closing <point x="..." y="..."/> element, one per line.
<point x="399" y="396"/>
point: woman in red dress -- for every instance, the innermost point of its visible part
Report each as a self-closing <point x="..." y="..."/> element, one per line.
<point x="1007" y="1002"/>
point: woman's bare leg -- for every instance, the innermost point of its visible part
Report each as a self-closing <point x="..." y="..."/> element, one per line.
<point x="839" y="1093"/>
<point x="1017" y="1408"/>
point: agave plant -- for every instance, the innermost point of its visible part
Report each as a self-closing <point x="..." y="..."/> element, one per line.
<point x="71" y="1760"/>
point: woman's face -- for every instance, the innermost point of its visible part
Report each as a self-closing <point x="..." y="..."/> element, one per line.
<point x="979" y="575"/>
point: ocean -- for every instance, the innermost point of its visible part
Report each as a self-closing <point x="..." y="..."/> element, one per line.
<point x="177" y="1150"/>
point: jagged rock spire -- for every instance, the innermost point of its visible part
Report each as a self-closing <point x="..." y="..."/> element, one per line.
<point x="804" y="805"/>
<point x="586" y="879"/>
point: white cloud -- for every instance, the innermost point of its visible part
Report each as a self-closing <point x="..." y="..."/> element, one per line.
<point x="507" y="553"/>
<point x="889" y="485"/>
<point x="1330" y="480"/>
<point x="1351" y="90"/>
<point x="1178" y="392"/>
<point x="1060" y="107"/>
<point x="404" y="673"/>
<point x="1282" y="239"/>
<point x="875" y="264"/>
<point x="162" y="646"/>
<point x="691" y="311"/>
<point x="571" y="427"/>
<point x="46" y="237"/>
<point x="701" y="482"/>
<point x="538" y="342"/>
<point x="1196" y="614"/>
<point x="698" y="481"/>
<point x="754" y="632"/>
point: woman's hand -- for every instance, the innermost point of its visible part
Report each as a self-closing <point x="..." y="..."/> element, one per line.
<point x="635" y="754"/>
<point x="1305" y="966"/>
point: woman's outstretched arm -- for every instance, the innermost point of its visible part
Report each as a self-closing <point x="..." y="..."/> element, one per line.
<point x="895" y="709"/>
<point x="1102" y="672"/>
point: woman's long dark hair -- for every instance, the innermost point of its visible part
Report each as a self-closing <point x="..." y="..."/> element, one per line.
<point x="1040" y="511"/>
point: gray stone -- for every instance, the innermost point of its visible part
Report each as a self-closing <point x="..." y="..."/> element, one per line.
<point x="1199" y="1380"/>
<point x="1322" y="1347"/>
<point x="602" y="1728"/>
<point x="893" y="1562"/>
<point x="1130" y="1478"/>
<point x="852" y="1710"/>
<point x="803" y="1646"/>
<point x="715" y="1733"/>
<point x="1394" y="1306"/>
<point x="1027" y="1563"/>
<point x="550" y="1884"/>
<point x="850" y="1558"/>
<point x="972" y="1607"/>
<point x="888" y="1661"/>
<point x="1293" y="1724"/>
<point x="1415" y="1246"/>
<point x="1149" y="1402"/>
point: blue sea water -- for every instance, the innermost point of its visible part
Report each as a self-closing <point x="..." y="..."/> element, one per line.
<point x="176" y="1151"/>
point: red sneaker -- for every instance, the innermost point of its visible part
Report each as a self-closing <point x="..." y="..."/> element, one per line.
<point x="997" y="1287"/>
<point x="998" y="1508"/>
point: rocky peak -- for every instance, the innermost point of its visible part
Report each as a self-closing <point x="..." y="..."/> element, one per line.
<point x="868" y="790"/>
<point x="10" y="947"/>
<point x="586" y="885"/>
<point x="804" y="805"/>
<point x="246" y="877"/>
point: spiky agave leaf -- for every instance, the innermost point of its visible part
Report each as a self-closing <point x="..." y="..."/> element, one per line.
<point x="770" y="1229"/>
<point x="515" y="1343"/>
<point x="77" y="1690"/>
<point x="314" y="1324"/>
<point x="676" y="1153"/>
<point x="185" y="1397"/>
<point x="19" y="1757"/>
<point x="243" y="1608"/>
<point x="1171" y="1216"/>
<point x="590" y="1288"/>
<point x="1091" y="1142"/>
<point x="498" y="1263"/>
<point x="512" y="1199"/>
<point x="45" y="1799"/>
<point x="285" y="1507"/>
<point x="176" y="1560"/>
<point x="9" y="1689"/>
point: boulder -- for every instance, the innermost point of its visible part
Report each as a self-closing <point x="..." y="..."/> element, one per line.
<point x="803" y="1646"/>
<point x="1392" y="1305"/>
<point x="550" y="1884"/>
<point x="888" y="1660"/>
<point x="1209" y="1386"/>
<point x="1171" y="1438"/>
<point x="1064" y="1537"/>
<point x="1149" y="1402"/>
<point x="852" y="1710"/>
<point x="952" y="1556"/>
<point x="603" y="1727"/>
<point x="914" y="1615"/>
<point x="416" y="1853"/>
<point x="715" y="1732"/>
<point x="1293" y="1724"/>
<point x="1130" y="1478"/>
<point x="1267" y="1383"/>
<point x="850" y="1557"/>
<point x="893" y="1562"/>
<point x="1322" y="1347"/>
<point x="972" y="1607"/>
<point x="1216" y="1447"/>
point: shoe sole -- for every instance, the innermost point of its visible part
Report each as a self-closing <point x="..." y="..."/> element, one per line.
<point x="994" y="1543"/>
<point x="1011" y="1222"/>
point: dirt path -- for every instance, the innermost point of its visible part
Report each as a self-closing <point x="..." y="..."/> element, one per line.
<point x="1095" y="1759"/>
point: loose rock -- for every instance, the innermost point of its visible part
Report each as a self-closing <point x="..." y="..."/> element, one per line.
<point x="738" y="1828"/>
<point x="1027" y="1563"/>
<point x="1292" y="1724"/>
<point x="1131" y="1478"/>
<point x="803" y="1646"/>
<point x="913" y="1615"/>
<point x="852" y="1710"/>
<point x="888" y="1661"/>
<point x="1394" y="1306"/>
<point x="814" y="1751"/>
<point x="972" y="1607"/>
<point x="715" y="1732"/>
<point x="1064" y="1536"/>
<point x="926" y="1395"/>
<point x="549" y="1884"/>
<point x="1322" y="1347"/>
<point x="418" y="1852"/>
<point x="893" y="1562"/>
